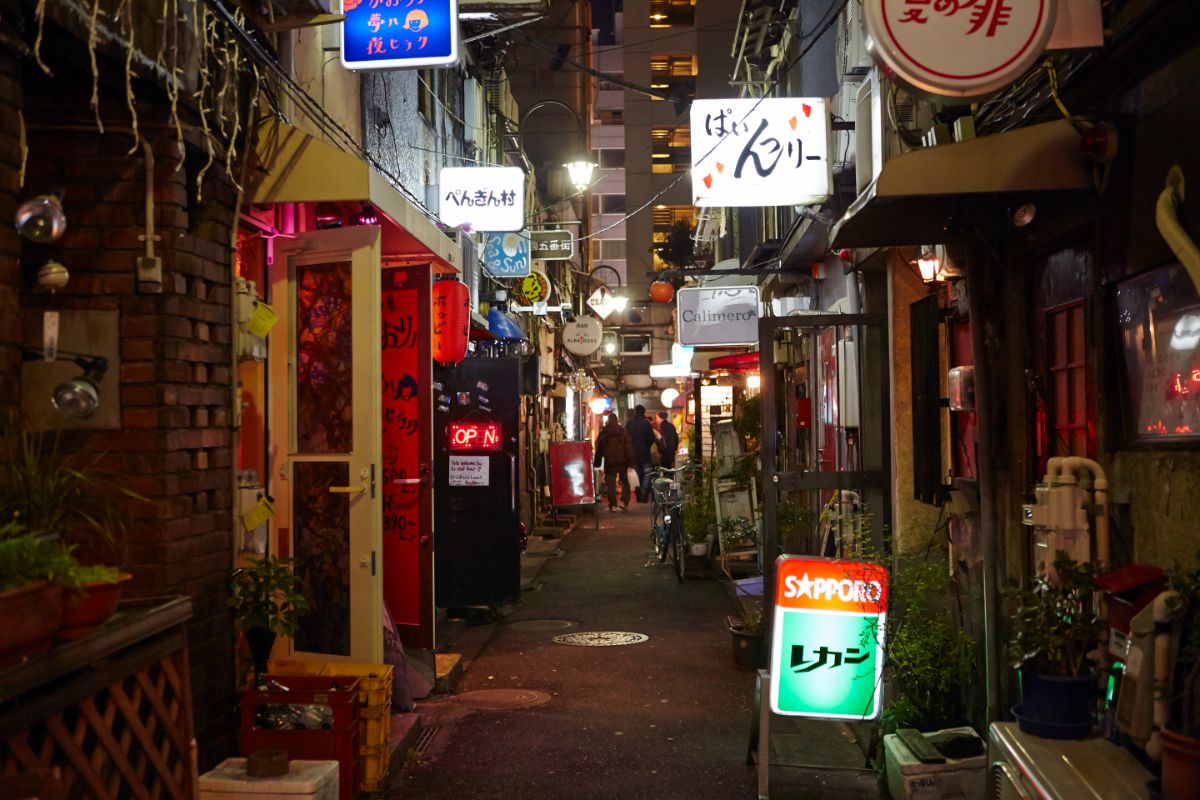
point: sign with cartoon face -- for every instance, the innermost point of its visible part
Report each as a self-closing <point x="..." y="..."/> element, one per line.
<point x="535" y="287"/>
<point x="959" y="48"/>
<point x="827" y="641"/>
<point x="399" y="34"/>
<point x="766" y="152"/>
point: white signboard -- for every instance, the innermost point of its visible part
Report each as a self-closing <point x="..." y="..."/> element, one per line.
<point x="506" y="255"/>
<point x="959" y="48"/>
<point x="603" y="302"/>
<point x="582" y="336"/>
<point x="469" y="470"/>
<point x="718" y="317"/>
<point x="766" y="152"/>
<point x="483" y="198"/>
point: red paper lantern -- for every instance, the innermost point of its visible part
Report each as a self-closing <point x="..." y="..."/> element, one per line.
<point x="661" y="292"/>
<point x="451" y="321"/>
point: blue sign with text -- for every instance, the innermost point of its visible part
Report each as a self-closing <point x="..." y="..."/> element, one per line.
<point x="399" y="34"/>
<point x="506" y="255"/>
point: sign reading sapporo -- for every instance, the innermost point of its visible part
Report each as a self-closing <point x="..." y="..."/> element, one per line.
<point x="395" y="34"/>
<point x="551" y="245"/>
<point x="765" y="152"/>
<point x="827" y="642"/>
<point x="711" y="317"/>
<point x="483" y="198"/>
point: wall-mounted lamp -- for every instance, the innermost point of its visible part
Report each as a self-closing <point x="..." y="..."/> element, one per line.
<point x="367" y="216"/>
<point x="79" y="397"/>
<point x="41" y="219"/>
<point x="580" y="172"/>
<point x="929" y="264"/>
<point x="753" y="381"/>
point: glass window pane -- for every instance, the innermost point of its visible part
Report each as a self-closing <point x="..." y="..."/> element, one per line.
<point x="322" y="529"/>
<point x="324" y="359"/>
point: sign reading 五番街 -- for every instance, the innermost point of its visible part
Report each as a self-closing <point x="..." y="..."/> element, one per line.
<point x="399" y="34"/>
<point x="717" y="317"/>
<point x="765" y="152"/>
<point x="482" y="198"/>
<point x="827" y="642"/>
<point x="552" y="245"/>
<point x="959" y="48"/>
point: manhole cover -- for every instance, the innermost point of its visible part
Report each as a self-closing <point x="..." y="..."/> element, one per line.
<point x="542" y="625"/>
<point x="600" y="638"/>
<point x="501" y="699"/>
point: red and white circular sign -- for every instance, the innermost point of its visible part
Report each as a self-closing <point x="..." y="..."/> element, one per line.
<point x="959" y="48"/>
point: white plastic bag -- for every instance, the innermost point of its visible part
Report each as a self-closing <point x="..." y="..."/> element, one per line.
<point x="634" y="480"/>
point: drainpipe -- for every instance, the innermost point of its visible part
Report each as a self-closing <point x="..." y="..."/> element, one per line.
<point x="1166" y="214"/>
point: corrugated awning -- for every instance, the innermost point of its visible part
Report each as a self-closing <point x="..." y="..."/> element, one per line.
<point x="917" y="196"/>
<point x="292" y="166"/>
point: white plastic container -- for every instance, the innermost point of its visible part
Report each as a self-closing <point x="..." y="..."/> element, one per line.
<point x="306" y="780"/>
<point x="956" y="779"/>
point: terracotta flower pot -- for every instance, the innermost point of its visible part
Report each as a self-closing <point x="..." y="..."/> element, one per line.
<point x="1180" y="765"/>
<point x="31" y="614"/>
<point x="86" y="608"/>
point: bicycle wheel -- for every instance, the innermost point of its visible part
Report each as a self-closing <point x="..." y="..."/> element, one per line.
<point x="658" y="532"/>
<point x="678" y="544"/>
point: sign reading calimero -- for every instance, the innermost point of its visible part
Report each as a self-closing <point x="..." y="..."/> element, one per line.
<point x="718" y="317"/>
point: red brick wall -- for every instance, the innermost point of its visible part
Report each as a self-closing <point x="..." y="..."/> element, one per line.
<point x="10" y="241"/>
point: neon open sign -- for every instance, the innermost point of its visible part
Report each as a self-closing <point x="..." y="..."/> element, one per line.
<point x="474" y="436"/>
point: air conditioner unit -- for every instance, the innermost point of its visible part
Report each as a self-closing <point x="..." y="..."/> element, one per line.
<point x="889" y="121"/>
<point x="1027" y="767"/>
<point x="845" y="106"/>
<point x="472" y="267"/>
<point x="853" y="58"/>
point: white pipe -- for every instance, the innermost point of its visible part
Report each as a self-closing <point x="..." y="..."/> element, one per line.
<point x="1100" y="497"/>
<point x="1162" y="653"/>
<point x="1166" y="214"/>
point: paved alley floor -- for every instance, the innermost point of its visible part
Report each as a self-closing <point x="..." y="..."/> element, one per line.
<point x="666" y="718"/>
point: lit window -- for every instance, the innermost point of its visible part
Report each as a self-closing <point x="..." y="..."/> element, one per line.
<point x="674" y="73"/>
<point x="672" y="13"/>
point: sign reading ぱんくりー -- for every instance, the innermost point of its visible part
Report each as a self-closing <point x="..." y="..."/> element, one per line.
<point x="959" y="48"/>
<point x="398" y="34"/>
<point x="827" y="640"/>
<point x="483" y="198"/>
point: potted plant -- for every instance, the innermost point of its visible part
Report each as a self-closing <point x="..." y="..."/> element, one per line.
<point x="699" y="520"/>
<point x="1180" y="737"/>
<point x="749" y="644"/>
<point x="266" y="602"/>
<point x="1053" y="629"/>
<point x="92" y="595"/>
<point x="32" y="573"/>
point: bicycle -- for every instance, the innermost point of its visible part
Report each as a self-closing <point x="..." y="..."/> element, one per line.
<point x="666" y="517"/>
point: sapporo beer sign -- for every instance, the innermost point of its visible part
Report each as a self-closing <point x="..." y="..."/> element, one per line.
<point x="959" y="48"/>
<point x="827" y="642"/>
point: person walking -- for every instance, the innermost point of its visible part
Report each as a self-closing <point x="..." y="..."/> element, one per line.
<point x="614" y="448"/>
<point x="641" y="433"/>
<point x="668" y="440"/>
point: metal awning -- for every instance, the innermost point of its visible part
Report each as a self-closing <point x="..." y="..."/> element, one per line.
<point x="292" y="166"/>
<point x="917" y="196"/>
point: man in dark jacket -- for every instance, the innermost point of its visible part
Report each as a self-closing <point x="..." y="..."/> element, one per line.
<point x="668" y="440"/>
<point x="615" y="450"/>
<point x="641" y="433"/>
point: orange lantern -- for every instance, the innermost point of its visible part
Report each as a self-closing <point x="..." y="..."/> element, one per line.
<point x="662" y="292"/>
<point x="451" y="321"/>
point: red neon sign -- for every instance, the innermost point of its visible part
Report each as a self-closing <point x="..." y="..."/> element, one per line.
<point x="474" y="436"/>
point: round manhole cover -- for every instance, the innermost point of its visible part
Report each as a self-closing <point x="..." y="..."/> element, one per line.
<point x="600" y="638"/>
<point x="501" y="699"/>
<point x="542" y="625"/>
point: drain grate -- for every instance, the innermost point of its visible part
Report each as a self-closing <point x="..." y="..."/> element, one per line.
<point x="600" y="638"/>
<point x="501" y="699"/>
<point x="542" y="625"/>
<point x="426" y="738"/>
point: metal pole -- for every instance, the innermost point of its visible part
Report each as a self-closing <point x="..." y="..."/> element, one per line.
<point x="770" y="426"/>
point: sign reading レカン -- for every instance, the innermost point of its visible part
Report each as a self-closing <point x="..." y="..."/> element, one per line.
<point x="483" y="198"/>
<point x="959" y="48"/>
<point x="395" y="34"/>
<point x="827" y="641"/>
<point x="765" y="152"/>
<point x="711" y="317"/>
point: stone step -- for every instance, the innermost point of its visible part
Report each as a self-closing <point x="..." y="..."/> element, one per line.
<point x="449" y="669"/>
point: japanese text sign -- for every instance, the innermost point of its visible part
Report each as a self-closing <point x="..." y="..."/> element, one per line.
<point x="712" y="317"/>
<point x="395" y="34"/>
<point x="483" y="198"/>
<point x="552" y="245"/>
<point x="766" y="152"/>
<point x="959" y="48"/>
<point x="506" y="255"/>
<point x="827" y="642"/>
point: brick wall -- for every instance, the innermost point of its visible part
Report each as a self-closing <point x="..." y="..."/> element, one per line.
<point x="10" y="241"/>
<point x="174" y="381"/>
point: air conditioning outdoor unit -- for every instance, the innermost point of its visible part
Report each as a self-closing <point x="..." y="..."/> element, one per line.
<point x="889" y="121"/>
<point x="845" y="106"/>
<point x="472" y="268"/>
<point x="854" y="60"/>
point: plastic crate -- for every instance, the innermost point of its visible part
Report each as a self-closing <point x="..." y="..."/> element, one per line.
<point x="288" y="666"/>
<point x="374" y="681"/>
<point x="341" y="742"/>
<point x="374" y="767"/>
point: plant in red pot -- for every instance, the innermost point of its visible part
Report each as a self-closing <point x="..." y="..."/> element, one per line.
<point x="92" y="594"/>
<point x="1052" y="631"/>
<point x="32" y="573"/>
<point x="1180" y="736"/>
<point x="266" y="602"/>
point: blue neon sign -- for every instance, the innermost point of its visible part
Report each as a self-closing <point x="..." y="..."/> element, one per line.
<point x="399" y="34"/>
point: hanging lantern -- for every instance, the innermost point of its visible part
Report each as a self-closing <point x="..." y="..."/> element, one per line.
<point x="451" y="321"/>
<point x="662" y="291"/>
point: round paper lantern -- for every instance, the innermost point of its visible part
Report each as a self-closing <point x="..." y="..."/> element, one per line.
<point x="662" y="292"/>
<point x="451" y="321"/>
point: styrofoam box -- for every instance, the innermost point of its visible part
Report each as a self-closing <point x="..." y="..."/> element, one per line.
<point x="909" y="779"/>
<point x="306" y="780"/>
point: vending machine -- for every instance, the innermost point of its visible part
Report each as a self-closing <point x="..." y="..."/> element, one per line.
<point x="477" y="520"/>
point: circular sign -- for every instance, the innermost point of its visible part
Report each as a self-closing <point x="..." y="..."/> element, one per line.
<point x="959" y="48"/>
<point x="535" y="288"/>
<point x="582" y="336"/>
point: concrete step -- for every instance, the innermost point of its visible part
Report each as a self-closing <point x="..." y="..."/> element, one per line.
<point x="449" y="669"/>
<point x="406" y="730"/>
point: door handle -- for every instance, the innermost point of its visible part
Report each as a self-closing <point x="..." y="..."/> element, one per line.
<point x="408" y="481"/>
<point x="359" y="489"/>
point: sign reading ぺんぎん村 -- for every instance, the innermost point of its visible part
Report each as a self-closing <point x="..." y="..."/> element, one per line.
<point x="959" y="48"/>
<point x="398" y="34"/>
<point x="827" y="641"/>
<point x="483" y="198"/>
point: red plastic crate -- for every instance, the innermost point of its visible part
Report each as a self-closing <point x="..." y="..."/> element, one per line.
<point x="340" y="743"/>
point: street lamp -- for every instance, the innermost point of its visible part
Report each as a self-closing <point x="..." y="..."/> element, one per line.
<point x="580" y="168"/>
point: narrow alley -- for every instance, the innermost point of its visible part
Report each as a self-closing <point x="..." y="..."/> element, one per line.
<point x="669" y="717"/>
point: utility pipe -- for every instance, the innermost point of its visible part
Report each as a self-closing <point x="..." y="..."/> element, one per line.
<point x="1072" y="465"/>
<point x="1162" y="655"/>
<point x="1166" y="214"/>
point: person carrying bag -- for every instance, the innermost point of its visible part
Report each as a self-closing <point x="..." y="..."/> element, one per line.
<point x="615" y="450"/>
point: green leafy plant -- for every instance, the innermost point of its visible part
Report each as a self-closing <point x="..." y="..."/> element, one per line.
<point x="1184" y="695"/>
<point x="737" y="533"/>
<point x="267" y="595"/>
<point x="1053" y="626"/>
<point x="699" y="510"/>
<point x="750" y="621"/>
<point x="26" y="558"/>
<point x="82" y="574"/>
<point x="748" y="422"/>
